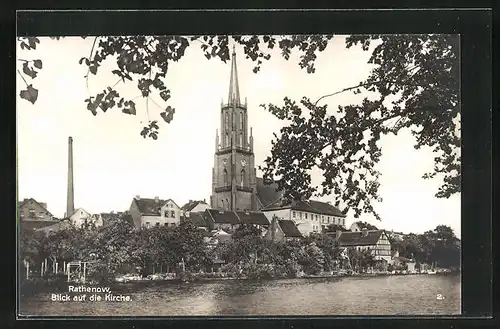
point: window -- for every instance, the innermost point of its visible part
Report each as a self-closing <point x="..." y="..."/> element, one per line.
<point x="226" y="181"/>
<point x="293" y="214"/>
<point x="227" y="140"/>
<point x="157" y="224"/>
<point x="32" y="213"/>
<point x="241" y="121"/>
<point x="165" y="214"/>
<point x="316" y="217"/>
<point x="166" y="224"/>
<point x="300" y="215"/>
<point x="242" y="177"/>
<point x="147" y="224"/>
<point x="172" y="213"/>
<point x="305" y="215"/>
<point x="172" y="224"/>
<point x="241" y="139"/>
<point x="226" y="122"/>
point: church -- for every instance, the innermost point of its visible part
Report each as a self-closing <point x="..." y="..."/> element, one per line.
<point x="235" y="185"/>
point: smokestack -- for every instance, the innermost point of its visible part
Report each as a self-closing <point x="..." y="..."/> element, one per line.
<point x="70" y="201"/>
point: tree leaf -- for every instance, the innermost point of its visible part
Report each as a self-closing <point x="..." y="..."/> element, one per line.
<point x="30" y="94"/>
<point x="165" y="95"/>
<point x="37" y="63"/>
<point x="129" y="108"/>
<point x="168" y="115"/>
<point x="28" y="71"/>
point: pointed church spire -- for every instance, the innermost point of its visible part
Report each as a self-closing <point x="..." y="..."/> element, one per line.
<point x="234" y="90"/>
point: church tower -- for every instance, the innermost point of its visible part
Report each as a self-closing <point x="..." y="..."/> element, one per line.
<point x="233" y="174"/>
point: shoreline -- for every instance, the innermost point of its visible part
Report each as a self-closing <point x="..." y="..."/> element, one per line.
<point x="242" y="278"/>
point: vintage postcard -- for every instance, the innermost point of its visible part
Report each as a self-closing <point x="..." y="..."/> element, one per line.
<point x="239" y="175"/>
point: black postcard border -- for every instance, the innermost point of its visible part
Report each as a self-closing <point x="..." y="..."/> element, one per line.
<point x="474" y="26"/>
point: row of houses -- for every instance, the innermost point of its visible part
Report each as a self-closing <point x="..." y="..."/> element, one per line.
<point x="278" y="222"/>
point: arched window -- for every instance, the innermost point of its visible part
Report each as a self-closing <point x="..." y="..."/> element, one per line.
<point x="226" y="181"/>
<point x="222" y="203"/>
<point x="227" y="122"/>
<point x="242" y="177"/>
<point x="227" y="140"/>
<point x="241" y="122"/>
<point x="241" y="140"/>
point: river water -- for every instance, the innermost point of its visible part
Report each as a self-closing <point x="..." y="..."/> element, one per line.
<point x="384" y="295"/>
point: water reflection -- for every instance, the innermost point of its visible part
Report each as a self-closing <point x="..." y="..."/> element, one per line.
<point x="393" y="295"/>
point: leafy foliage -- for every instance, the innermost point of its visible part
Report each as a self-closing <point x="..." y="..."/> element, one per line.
<point x="414" y="85"/>
<point x="439" y="246"/>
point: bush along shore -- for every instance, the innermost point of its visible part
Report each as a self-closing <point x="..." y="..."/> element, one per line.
<point x="118" y="252"/>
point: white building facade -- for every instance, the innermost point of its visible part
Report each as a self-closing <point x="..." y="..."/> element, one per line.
<point x="309" y="217"/>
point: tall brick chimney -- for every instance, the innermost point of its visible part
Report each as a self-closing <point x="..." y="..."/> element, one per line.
<point x="70" y="201"/>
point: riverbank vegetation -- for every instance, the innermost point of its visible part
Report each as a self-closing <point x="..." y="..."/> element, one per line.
<point x="118" y="248"/>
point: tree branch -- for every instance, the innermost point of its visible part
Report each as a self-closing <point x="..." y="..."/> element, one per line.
<point x="88" y="69"/>
<point x="22" y="78"/>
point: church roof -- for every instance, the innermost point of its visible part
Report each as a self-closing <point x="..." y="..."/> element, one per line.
<point x="252" y="217"/>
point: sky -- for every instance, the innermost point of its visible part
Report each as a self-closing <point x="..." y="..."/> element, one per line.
<point x="113" y="163"/>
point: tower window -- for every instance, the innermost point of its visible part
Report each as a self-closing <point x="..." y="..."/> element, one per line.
<point x="241" y="122"/>
<point x="227" y="122"/>
<point x="242" y="177"/>
<point x="241" y="139"/>
<point x="226" y="181"/>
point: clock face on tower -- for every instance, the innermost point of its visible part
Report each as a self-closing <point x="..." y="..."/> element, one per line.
<point x="243" y="163"/>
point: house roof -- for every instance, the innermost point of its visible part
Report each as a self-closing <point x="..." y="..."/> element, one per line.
<point x="266" y="193"/>
<point x="363" y="238"/>
<point x="36" y="224"/>
<point x="61" y="225"/>
<point x="197" y="219"/>
<point x="366" y="226"/>
<point x="289" y="228"/>
<point x="192" y="204"/>
<point x="326" y="209"/>
<point x="223" y="217"/>
<point x="43" y="205"/>
<point x="314" y="206"/>
<point x="252" y="217"/>
<point x="151" y="206"/>
<point x="403" y="259"/>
